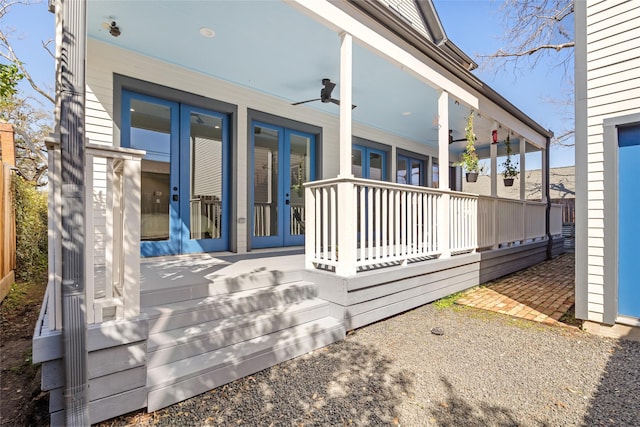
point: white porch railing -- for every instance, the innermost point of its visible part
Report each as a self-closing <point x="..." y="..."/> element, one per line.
<point x="506" y="221"/>
<point x="113" y="232"/>
<point x="556" y="220"/>
<point x="386" y="224"/>
<point x="394" y="223"/>
<point x="112" y="240"/>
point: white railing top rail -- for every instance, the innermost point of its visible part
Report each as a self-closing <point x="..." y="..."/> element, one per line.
<point x="386" y="184"/>
<point x="110" y="151"/>
<point x="504" y="199"/>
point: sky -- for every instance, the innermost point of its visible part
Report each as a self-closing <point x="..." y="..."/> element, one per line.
<point x="474" y="26"/>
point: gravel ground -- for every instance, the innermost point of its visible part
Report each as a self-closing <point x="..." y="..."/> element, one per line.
<point x="486" y="370"/>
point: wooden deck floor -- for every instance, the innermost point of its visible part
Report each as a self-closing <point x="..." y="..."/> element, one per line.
<point x="161" y="273"/>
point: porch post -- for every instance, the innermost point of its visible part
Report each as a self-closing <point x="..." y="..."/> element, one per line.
<point x="443" y="161"/>
<point x="523" y="151"/>
<point x="70" y="62"/>
<point x="346" y="76"/>
<point x="545" y="175"/>
<point x="347" y="233"/>
<point x="493" y="152"/>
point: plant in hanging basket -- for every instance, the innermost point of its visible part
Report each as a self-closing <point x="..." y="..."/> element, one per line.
<point x="469" y="159"/>
<point x="510" y="167"/>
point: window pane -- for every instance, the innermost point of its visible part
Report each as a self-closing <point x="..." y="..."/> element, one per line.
<point x="375" y="166"/>
<point x="265" y="181"/>
<point x="205" y="177"/>
<point x="416" y="172"/>
<point x="356" y="162"/>
<point x="151" y="131"/>
<point x="401" y="173"/>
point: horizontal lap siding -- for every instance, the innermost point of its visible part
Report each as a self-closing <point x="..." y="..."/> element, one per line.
<point x="613" y="89"/>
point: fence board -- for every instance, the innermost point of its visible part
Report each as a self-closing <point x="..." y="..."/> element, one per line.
<point x="7" y="232"/>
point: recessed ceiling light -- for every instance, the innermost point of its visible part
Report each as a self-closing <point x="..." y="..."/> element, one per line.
<point x="406" y="113"/>
<point x="217" y="126"/>
<point x="132" y="109"/>
<point x="207" y="32"/>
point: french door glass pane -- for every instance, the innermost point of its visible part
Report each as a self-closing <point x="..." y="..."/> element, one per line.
<point x="375" y="166"/>
<point x="416" y="172"/>
<point x="300" y="170"/>
<point x="265" y="181"/>
<point x="151" y="131"/>
<point x="401" y="171"/>
<point x="356" y="162"/>
<point x="205" y="203"/>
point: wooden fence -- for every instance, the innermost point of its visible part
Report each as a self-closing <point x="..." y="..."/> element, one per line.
<point x="7" y="232"/>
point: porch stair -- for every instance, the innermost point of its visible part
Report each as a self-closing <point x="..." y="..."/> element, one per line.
<point x="198" y="344"/>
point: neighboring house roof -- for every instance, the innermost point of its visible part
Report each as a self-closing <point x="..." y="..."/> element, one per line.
<point x="562" y="184"/>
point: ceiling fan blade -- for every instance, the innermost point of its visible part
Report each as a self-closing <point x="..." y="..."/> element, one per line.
<point x="304" y="102"/>
<point x="337" y="102"/>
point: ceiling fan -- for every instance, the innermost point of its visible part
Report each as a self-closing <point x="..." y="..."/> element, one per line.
<point x="325" y="94"/>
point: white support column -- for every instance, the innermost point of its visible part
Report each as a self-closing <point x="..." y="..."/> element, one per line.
<point x="393" y="175"/>
<point x="244" y="212"/>
<point x="544" y="168"/>
<point x="493" y="150"/>
<point x="131" y="237"/>
<point x="346" y="76"/>
<point x="443" y="140"/>
<point x="443" y="162"/>
<point x="347" y="233"/>
<point x="523" y="151"/>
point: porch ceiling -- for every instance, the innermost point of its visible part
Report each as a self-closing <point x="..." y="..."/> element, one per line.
<point x="271" y="47"/>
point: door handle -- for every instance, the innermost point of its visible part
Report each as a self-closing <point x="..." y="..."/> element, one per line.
<point x="175" y="197"/>
<point x="286" y="202"/>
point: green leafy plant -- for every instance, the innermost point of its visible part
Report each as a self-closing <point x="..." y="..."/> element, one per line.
<point x="31" y="229"/>
<point x="469" y="157"/>
<point x="510" y="166"/>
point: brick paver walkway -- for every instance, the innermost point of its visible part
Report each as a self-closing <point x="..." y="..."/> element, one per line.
<point x="542" y="293"/>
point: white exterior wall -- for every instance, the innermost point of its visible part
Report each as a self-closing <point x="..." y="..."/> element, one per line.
<point x="611" y="83"/>
<point x="104" y="60"/>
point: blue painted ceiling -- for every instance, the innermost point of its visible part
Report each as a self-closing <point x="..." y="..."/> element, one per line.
<point x="273" y="48"/>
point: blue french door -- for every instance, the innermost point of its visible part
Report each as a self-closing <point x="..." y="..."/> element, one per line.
<point x="282" y="160"/>
<point x="628" y="226"/>
<point x="368" y="163"/>
<point x="184" y="185"/>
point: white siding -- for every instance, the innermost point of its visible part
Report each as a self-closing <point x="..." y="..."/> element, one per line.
<point x="613" y="89"/>
<point x="409" y="11"/>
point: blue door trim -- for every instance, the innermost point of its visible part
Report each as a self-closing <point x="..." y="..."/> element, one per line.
<point x="179" y="238"/>
<point x="173" y="244"/>
<point x="190" y="245"/>
<point x="283" y="237"/>
<point x="366" y="171"/>
<point x="628" y="225"/>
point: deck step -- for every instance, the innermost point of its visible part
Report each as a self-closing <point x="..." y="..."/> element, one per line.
<point x="180" y="380"/>
<point x="192" y="312"/>
<point x="188" y="341"/>
<point x="190" y="288"/>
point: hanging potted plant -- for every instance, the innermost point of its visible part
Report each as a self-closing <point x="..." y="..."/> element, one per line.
<point x="469" y="157"/>
<point x="510" y="167"/>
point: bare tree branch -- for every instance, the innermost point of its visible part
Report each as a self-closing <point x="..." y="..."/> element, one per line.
<point x="502" y="54"/>
<point x="11" y="56"/>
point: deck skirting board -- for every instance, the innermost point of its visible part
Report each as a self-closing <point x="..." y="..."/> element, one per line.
<point x="108" y="407"/>
<point x="216" y="376"/>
